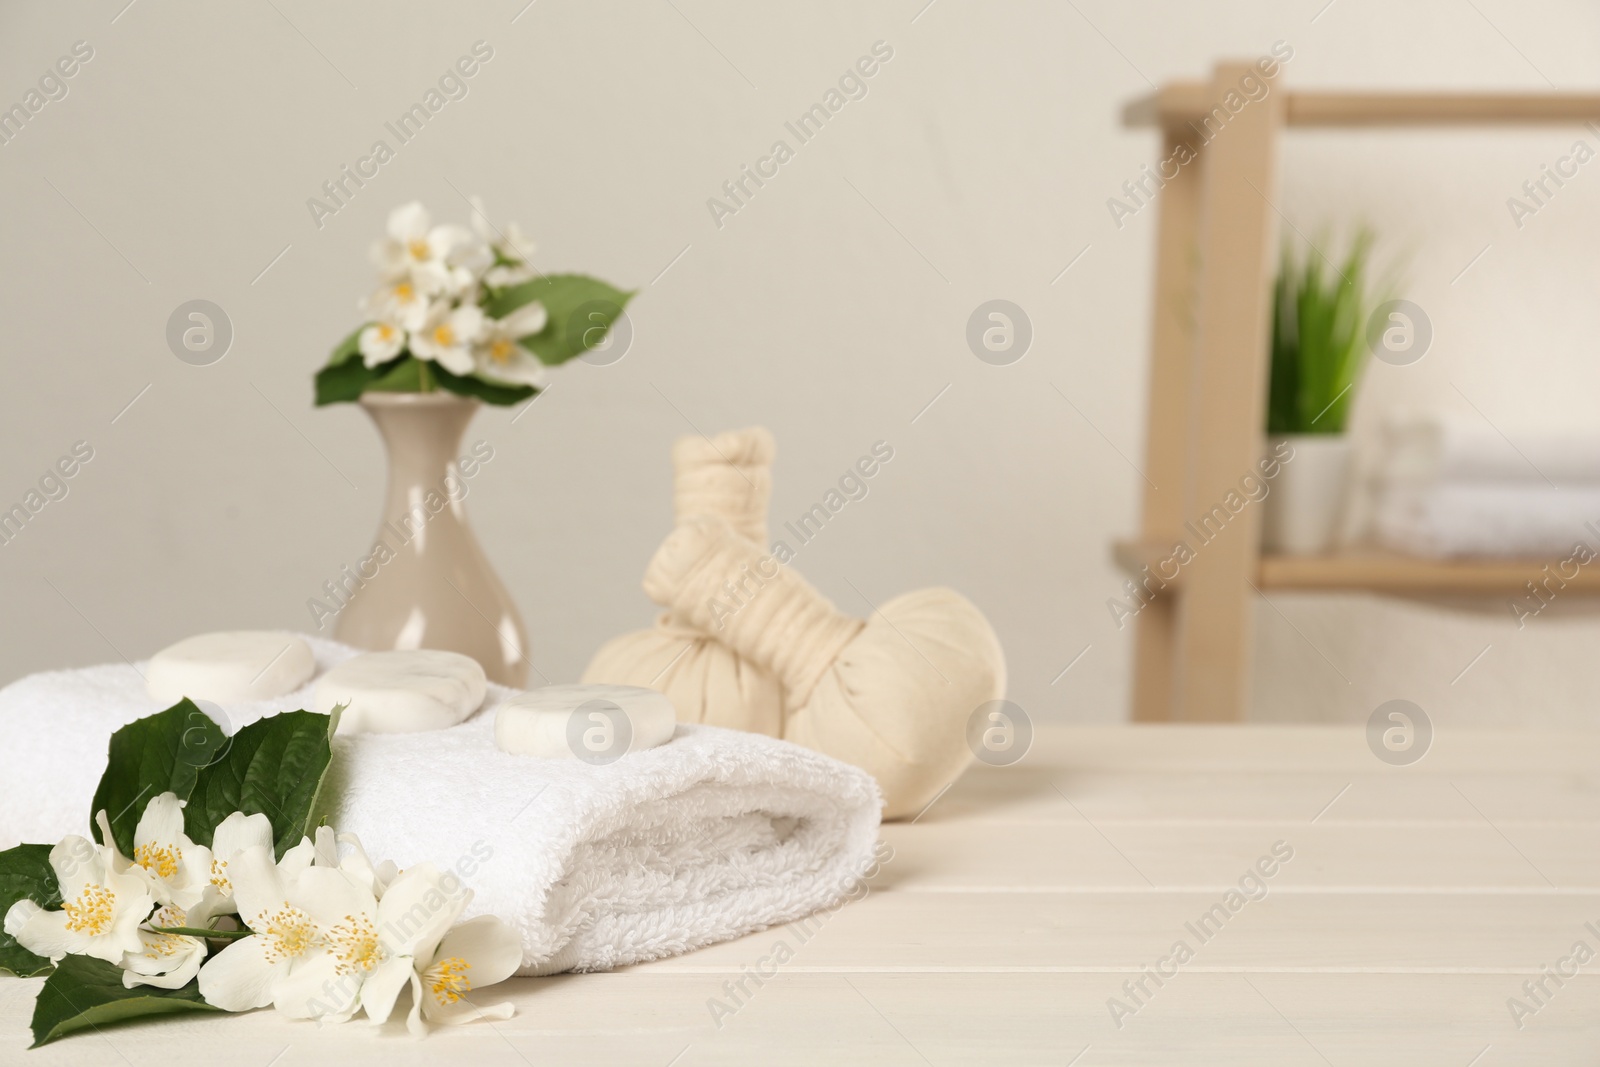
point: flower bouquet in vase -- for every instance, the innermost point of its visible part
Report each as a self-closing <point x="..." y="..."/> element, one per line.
<point x="462" y="318"/>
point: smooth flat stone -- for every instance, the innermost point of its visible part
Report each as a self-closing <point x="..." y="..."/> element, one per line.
<point x="402" y="692"/>
<point x="230" y="667"/>
<point x="593" y="723"/>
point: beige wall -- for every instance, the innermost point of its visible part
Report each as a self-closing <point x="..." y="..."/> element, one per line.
<point x="832" y="307"/>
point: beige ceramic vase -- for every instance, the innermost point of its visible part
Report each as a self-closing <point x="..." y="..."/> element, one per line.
<point x="427" y="583"/>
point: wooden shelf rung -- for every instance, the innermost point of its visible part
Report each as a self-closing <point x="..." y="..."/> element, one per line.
<point x="1180" y="103"/>
<point x="1381" y="572"/>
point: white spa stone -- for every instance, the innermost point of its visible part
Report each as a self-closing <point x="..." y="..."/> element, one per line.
<point x="402" y="692"/>
<point x="229" y="667"/>
<point x="594" y="723"/>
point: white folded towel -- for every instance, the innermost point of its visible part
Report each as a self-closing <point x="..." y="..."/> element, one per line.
<point x="1505" y="520"/>
<point x="710" y="836"/>
<point x="1429" y="449"/>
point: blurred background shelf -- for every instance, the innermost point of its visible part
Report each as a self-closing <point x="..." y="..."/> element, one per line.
<point x="1186" y="102"/>
<point x="1374" y="571"/>
<point x="1211" y="332"/>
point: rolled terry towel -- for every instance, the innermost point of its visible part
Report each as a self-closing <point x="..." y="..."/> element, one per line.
<point x="1429" y="449"/>
<point x="1505" y="519"/>
<point x="710" y="836"/>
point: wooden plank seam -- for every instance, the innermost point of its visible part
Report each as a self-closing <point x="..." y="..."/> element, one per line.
<point x="1252" y="887"/>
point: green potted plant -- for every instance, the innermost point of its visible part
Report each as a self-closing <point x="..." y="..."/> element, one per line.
<point x="461" y="318"/>
<point x="1319" y="322"/>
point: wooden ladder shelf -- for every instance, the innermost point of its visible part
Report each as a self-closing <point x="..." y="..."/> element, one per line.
<point x="1215" y="261"/>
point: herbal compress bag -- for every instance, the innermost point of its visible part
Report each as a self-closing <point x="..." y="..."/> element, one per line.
<point x="728" y="476"/>
<point x="891" y="695"/>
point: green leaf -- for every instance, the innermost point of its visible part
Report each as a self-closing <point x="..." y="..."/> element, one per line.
<point x="274" y="766"/>
<point x="157" y="754"/>
<point x="492" y="392"/>
<point x="348" y="347"/>
<point x="344" y="382"/>
<point x="84" y="993"/>
<point x="25" y="874"/>
<point x="404" y="375"/>
<point x="1319" y="313"/>
<point x="581" y="311"/>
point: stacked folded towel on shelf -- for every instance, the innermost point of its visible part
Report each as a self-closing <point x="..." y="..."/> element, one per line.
<point x="1449" y="488"/>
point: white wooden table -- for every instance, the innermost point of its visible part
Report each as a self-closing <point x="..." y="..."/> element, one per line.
<point x="1418" y="901"/>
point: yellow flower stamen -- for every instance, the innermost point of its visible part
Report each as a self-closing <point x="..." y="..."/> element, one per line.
<point x="289" y="933"/>
<point x="404" y="293"/>
<point x="355" y="943"/>
<point x="500" y="350"/>
<point x="91" y="912"/>
<point x="444" y="335"/>
<point x="219" y="875"/>
<point x="166" y="944"/>
<point x="418" y="249"/>
<point x="158" y="858"/>
<point x="385" y="331"/>
<point x="447" y="980"/>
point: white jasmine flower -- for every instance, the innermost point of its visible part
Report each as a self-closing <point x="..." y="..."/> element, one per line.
<point x="381" y="342"/>
<point x="416" y="248"/>
<point x="373" y="944"/>
<point x="498" y="354"/>
<point x="454" y="281"/>
<point x="406" y="244"/>
<point x="511" y="248"/>
<point x="322" y="943"/>
<point x="334" y="934"/>
<point x="447" y="337"/>
<point x="481" y="223"/>
<point x="169" y="961"/>
<point x="503" y="275"/>
<point x="178" y="870"/>
<point x="465" y="267"/>
<point x="479" y="952"/>
<point x="445" y="259"/>
<point x="103" y="903"/>
<point x="355" y="863"/>
<point x="272" y="902"/>
<point x="509" y="241"/>
<point x="232" y="836"/>
<point x="402" y="302"/>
